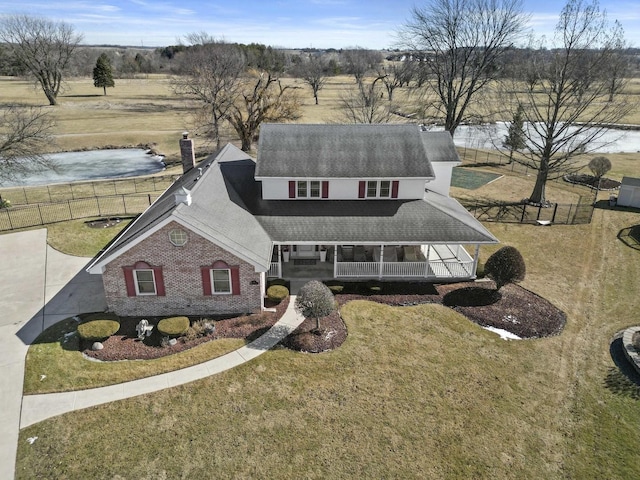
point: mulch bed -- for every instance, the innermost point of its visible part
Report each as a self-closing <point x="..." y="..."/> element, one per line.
<point x="125" y="345"/>
<point x="591" y="181"/>
<point x="513" y="309"/>
<point x="306" y="338"/>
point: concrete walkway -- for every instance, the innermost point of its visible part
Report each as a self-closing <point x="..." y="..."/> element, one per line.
<point x="36" y="408"/>
<point x="40" y="286"/>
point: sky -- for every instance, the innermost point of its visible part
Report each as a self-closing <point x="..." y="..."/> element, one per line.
<point x="282" y="23"/>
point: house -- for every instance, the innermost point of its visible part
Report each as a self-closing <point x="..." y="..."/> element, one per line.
<point x="321" y="201"/>
<point x="629" y="193"/>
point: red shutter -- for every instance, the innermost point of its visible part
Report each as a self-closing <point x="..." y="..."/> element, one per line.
<point x="292" y="189"/>
<point x="206" y="280"/>
<point x="325" y="189"/>
<point x="129" y="281"/>
<point x="157" y="275"/>
<point x="235" y="280"/>
<point x="361" y="188"/>
<point x="394" y="188"/>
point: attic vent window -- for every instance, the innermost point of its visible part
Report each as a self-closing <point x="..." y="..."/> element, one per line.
<point x="178" y="237"/>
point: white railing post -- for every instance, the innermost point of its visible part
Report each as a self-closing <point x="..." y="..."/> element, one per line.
<point x="426" y="262"/>
<point x="381" y="266"/>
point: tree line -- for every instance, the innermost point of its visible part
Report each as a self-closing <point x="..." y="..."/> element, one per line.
<point x="463" y="60"/>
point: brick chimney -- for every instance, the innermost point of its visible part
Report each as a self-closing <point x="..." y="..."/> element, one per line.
<point x="187" y="152"/>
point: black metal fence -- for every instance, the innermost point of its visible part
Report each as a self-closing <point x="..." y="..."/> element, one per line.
<point x="85" y="190"/>
<point x="557" y="213"/>
<point x="23" y="216"/>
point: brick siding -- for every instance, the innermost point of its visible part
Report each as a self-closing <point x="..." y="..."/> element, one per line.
<point x="182" y="278"/>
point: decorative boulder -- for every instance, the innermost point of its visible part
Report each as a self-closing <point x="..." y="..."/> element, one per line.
<point x="97" y="346"/>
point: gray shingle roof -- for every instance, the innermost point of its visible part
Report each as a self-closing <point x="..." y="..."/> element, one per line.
<point x="228" y="208"/>
<point x="436" y="219"/>
<point x="343" y="151"/>
<point x="440" y="147"/>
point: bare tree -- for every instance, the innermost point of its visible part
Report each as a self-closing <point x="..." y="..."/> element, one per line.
<point x="264" y="99"/>
<point x="365" y="104"/>
<point x="43" y="47"/>
<point x="462" y="42"/>
<point x="599" y="166"/>
<point x="567" y="107"/>
<point x="313" y="72"/>
<point x="359" y="61"/>
<point x="212" y="75"/>
<point x="24" y="136"/>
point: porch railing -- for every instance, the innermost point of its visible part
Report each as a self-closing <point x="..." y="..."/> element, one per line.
<point x="357" y="269"/>
<point x="274" y="270"/>
<point x="431" y="269"/>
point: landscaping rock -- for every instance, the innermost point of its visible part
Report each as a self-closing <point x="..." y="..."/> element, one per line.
<point x="97" y="346"/>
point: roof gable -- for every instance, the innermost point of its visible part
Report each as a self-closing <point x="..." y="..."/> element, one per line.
<point x="216" y="212"/>
<point x="342" y="151"/>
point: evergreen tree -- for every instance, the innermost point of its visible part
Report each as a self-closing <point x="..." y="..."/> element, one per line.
<point x="103" y="73"/>
<point x="515" y="138"/>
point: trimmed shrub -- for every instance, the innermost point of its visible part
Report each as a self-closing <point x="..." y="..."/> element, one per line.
<point x="277" y="293"/>
<point x="505" y="266"/>
<point x="315" y="300"/>
<point x="96" y="330"/>
<point x="173" y="326"/>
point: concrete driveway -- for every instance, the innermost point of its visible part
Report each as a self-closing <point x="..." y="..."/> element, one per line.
<point x="39" y="286"/>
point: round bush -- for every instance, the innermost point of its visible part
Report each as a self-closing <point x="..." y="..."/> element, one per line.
<point x="173" y="326"/>
<point x="96" y="330"/>
<point x="277" y="293"/>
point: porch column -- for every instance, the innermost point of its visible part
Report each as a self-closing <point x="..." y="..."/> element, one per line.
<point x="279" y="261"/>
<point x="426" y="265"/>
<point x="335" y="261"/>
<point x="380" y="267"/>
<point x="475" y="260"/>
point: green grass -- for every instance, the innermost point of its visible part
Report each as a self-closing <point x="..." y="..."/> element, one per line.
<point x="76" y="238"/>
<point x="55" y="355"/>
<point x="471" y="179"/>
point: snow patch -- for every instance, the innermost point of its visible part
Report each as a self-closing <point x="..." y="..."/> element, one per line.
<point x="504" y="334"/>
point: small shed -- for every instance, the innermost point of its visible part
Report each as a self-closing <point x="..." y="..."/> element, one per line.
<point x="629" y="193"/>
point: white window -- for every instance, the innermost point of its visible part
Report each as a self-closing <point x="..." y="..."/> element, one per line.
<point x="314" y="189"/>
<point x="308" y="189"/>
<point x="385" y="188"/>
<point x="378" y="189"/>
<point x="302" y="189"/>
<point x="145" y="282"/>
<point x="220" y="281"/>
<point x="178" y="237"/>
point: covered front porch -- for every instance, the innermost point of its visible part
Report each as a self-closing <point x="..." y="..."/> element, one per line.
<point x="436" y="262"/>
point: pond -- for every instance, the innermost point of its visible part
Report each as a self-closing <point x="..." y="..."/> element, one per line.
<point x="93" y="165"/>
<point x="489" y="136"/>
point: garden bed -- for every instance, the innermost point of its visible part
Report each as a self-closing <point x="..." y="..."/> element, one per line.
<point x="125" y="345"/>
<point x="592" y="182"/>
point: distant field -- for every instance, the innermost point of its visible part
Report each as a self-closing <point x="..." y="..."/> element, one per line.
<point x="145" y="110"/>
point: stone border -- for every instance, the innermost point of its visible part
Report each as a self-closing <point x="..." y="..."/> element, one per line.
<point x="631" y="352"/>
